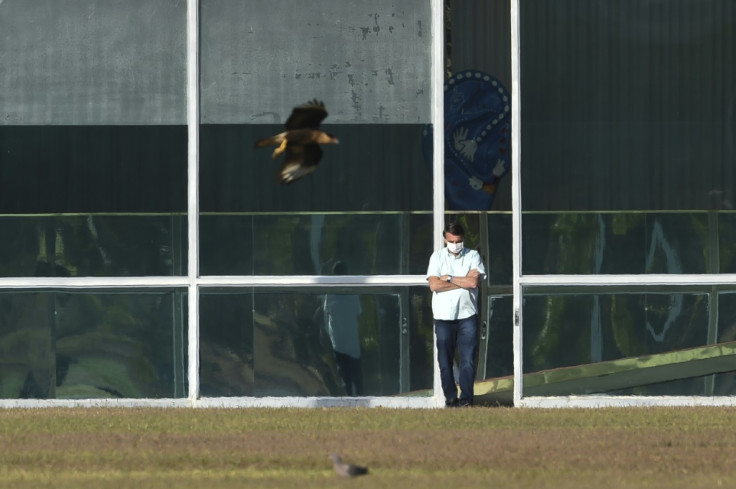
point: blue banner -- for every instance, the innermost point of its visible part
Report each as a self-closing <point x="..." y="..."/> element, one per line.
<point x="477" y="139"/>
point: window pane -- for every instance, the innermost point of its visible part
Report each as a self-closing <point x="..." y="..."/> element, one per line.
<point x="93" y="123"/>
<point x="627" y="106"/>
<point x="496" y="344"/>
<point x="93" y="344"/>
<point x="310" y="244"/>
<point x="724" y="384"/>
<point x="92" y="245"/>
<point x="328" y="342"/>
<point x="619" y="243"/>
<point x="727" y="242"/>
<point x="500" y="257"/>
<point x="621" y="344"/>
<point x="378" y="173"/>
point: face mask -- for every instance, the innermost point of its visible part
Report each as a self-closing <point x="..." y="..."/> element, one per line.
<point x="455" y="247"/>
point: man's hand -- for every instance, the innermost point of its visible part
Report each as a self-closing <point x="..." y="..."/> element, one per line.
<point x="469" y="281"/>
<point x="472" y="278"/>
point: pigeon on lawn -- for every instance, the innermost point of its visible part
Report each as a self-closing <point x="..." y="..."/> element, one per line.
<point x="344" y="469"/>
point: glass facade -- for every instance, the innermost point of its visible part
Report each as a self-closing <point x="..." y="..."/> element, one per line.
<point x="123" y="277"/>
<point x="93" y="161"/>
<point x="330" y="342"/>
<point x="628" y="148"/>
<point x="94" y="344"/>
<point x="93" y="139"/>
<point x="370" y="65"/>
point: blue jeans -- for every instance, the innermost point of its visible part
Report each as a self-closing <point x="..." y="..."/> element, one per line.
<point x="460" y="334"/>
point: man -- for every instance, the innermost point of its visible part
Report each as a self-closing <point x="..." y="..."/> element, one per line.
<point x="454" y="273"/>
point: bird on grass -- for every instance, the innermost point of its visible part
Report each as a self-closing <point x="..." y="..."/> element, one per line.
<point x="344" y="469"/>
<point x="300" y="141"/>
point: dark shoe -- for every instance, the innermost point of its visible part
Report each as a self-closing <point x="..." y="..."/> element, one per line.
<point x="452" y="403"/>
<point x="463" y="404"/>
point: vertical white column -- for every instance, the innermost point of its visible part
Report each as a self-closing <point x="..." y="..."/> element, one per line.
<point x="516" y="199"/>
<point x="193" y="194"/>
<point x="438" y="155"/>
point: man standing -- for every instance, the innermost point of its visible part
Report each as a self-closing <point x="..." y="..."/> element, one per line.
<point x="454" y="273"/>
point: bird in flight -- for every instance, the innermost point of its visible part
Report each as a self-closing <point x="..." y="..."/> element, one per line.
<point x="300" y="141"/>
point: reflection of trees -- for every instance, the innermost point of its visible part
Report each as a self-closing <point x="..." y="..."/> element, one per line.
<point x="288" y="360"/>
<point x="727" y="243"/>
<point x="86" y="346"/>
<point x="96" y="345"/>
<point x="580" y="328"/>
<point x="26" y="347"/>
<point x="91" y="245"/>
<point x="224" y="371"/>
<point x="571" y="248"/>
<point x="421" y="335"/>
<point x="118" y="344"/>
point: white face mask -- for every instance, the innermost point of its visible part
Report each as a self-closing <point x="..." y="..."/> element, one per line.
<point x="455" y="247"/>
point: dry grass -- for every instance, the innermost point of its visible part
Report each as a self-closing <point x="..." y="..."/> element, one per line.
<point x="480" y="447"/>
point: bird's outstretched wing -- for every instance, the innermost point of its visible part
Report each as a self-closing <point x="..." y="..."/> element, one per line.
<point x="309" y="115"/>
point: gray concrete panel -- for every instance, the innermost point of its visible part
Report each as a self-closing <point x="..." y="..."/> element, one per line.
<point x="369" y="61"/>
<point x="79" y="62"/>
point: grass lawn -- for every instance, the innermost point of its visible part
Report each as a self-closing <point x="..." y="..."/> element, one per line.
<point x="279" y="448"/>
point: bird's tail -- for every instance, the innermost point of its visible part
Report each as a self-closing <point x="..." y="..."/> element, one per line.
<point x="273" y="140"/>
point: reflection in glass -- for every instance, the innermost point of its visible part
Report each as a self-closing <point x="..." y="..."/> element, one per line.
<point x="310" y="244"/>
<point x="93" y="245"/>
<point x="281" y="343"/>
<point x="93" y="138"/>
<point x="496" y="344"/>
<point x="587" y="330"/>
<point x="500" y="259"/>
<point x="727" y="242"/>
<point x="89" y="345"/>
<point x="724" y="384"/>
<point x="618" y="243"/>
<point x="597" y="136"/>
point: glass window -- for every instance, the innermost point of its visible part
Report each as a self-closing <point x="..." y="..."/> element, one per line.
<point x="726" y="242"/>
<point x="370" y="65"/>
<point x="496" y="357"/>
<point x="92" y="245"/>
<point x="310" y="244"/>
<point x="93" y="137"/>
<point x="724" y="384"/>
<point x="93" y="344"/>
<point x="618" y="343"/>
<point x="619" y="243"/>
<point x="315" y="342"/>
<point x="627" y="106"/>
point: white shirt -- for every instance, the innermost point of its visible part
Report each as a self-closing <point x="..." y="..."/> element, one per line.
<point x="456" y="303"/>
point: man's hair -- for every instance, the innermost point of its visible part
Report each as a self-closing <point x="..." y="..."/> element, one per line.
<point x="453" y="228"/>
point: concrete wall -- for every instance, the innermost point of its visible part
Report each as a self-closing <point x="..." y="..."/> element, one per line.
<point x="80" y="62"/>
<point x="77" y="62"/>
<point x="369" y="61"/>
